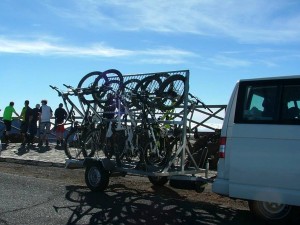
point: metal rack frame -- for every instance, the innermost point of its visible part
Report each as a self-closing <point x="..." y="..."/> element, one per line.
<point x="170" y="169"/>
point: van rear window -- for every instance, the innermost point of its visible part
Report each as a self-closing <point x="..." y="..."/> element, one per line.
<point x="270" y="102"/>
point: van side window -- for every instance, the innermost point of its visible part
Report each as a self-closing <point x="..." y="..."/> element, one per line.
<point x="270" y="102"/>
<point x="259" y="103"/>
<point x="291" y="103"/>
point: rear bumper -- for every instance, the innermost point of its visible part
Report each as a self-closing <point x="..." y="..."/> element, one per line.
<point x="221" y="187"/>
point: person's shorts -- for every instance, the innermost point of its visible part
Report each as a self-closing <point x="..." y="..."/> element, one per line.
<point x="45" y="127"/>
<point x="7" y="125"/>
<point x="60" y="128"/>
<point x="24" y="127"/>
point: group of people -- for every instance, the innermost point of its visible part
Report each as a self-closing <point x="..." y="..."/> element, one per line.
<point x="33" y="119"/>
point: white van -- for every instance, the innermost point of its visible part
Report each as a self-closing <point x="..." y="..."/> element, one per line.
<point x="260" y="147"/>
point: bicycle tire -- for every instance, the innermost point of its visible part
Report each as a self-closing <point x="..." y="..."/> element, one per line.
<point x="127" y="157"/>
<point x="92" y="143"/>
<point x="87" y="82"/>
<point x="155" y="160"/>
<point x="100" y="96"/>
<point x="129" y="86"/>
<point x="171" y="92"/>
<point x="145" y="90"/>
<point x="111" y="74"/>
<point x="114" y="73"/>
<point x="73" y="145"/>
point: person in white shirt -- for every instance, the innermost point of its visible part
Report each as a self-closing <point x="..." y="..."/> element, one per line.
<point x="45" y="124"/>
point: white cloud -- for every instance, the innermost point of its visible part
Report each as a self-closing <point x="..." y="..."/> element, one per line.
<point x="166" y="55"/>
<point x="229" y="61"/>
<point x="250" y="21"/>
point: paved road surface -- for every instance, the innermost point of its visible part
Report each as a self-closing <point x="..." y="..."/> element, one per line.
<point x="32" y="195"/>
<point x="50" y="194"/>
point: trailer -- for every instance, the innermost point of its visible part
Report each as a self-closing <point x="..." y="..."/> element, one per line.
<point x="154" y="131"/>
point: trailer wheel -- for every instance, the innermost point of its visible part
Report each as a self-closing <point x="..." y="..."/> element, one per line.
<point x="271" y="212"/>
<point x="96" y="177"/>
<point x="200" y="186"/>
<point x="158" y="181"/>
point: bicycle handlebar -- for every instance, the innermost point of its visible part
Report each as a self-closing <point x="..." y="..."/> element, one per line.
<point x="68" y="86"/>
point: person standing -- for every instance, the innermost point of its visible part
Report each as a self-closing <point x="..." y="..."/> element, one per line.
<point x="109" y="107"/>
<point x="60" y="115"/>
<point x="45" y="124"/>
<point x="34" y="117"/>
<point x="7" y="119"/>
<point x="25" y="115"/>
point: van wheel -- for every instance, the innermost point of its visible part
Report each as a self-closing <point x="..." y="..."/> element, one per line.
<point x="271" y="212"/>
<point x="96" y="177"/>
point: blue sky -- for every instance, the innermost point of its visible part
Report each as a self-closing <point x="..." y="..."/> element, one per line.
<point x="46" y="42"/>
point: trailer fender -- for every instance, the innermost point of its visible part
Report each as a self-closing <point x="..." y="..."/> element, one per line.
<point x="106" y="163"/>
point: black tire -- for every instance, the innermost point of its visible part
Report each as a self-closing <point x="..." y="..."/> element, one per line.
<point x="146" y="91"/>
<point x="171" y="92"/>
<point x="129" y="86"/>
<point x="73" y="145"/>
<point x="200" y="186"/>
<point x="111" y="86"/>
<point x="271" y="212"/>
<point x="113" y="74"/>
<point x="158" y="180"/>
<point x="154" y="160"/>
<point x="106" y="83"/>
<point x="96" y="177"/>
<point x="87" y="84"/>
<point x="92" y="143"/>
<point x="88" y="80"/>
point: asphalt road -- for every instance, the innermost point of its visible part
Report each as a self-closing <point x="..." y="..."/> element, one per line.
<point x="48" y="195"/>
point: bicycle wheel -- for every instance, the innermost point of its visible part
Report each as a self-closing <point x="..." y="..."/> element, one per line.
<point x="104" y="82"/>
<point x="171" y="92"/>
<point x="110" y="86"/>
<point x="92" y="143"/>
<point x="73" y="145"/>
<point x="157" y="155"/>
<point x="130" y="155"/>
<point x="113" y="74"/>
<point x="129" y="86"/>
<point x="145" y="91"/>
<point x="87" y="86"/>
<point x="88" y="80"/>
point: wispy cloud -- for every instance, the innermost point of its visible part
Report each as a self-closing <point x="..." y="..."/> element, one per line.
<point x="250" y="21"/>
<point x="247" y="21"/>
<point x="229" y="61"/>
<point x="166" y="55"/>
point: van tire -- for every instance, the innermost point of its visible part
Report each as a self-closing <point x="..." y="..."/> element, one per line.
<point x="271" y="212"/>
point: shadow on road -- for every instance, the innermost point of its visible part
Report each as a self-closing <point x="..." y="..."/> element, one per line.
<point x="123" y="205"/>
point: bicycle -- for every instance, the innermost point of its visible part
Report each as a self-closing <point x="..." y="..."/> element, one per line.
<point x="144" y="142"/>
<point x="74" y="139"/>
